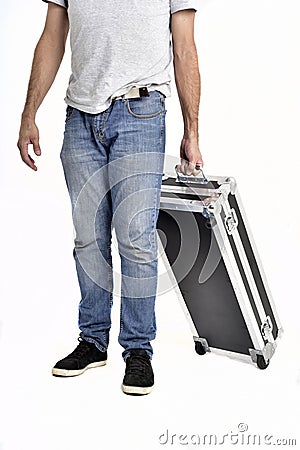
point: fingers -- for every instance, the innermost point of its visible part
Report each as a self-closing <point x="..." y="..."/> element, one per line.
<point x="184" y="167"/>
<point x="197" y="168"/>
<point x="36" y="146"/>
<point x="188" y="168"/>
<point x="26" y="157"/>
<point x="31" y="163"/>
<point x="178" y="168"/>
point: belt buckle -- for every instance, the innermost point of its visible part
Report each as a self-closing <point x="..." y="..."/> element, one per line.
<point x="137" y="91"/>
<point x="144" y="91"/>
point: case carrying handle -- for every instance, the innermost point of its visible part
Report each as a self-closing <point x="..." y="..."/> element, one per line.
<point x="200" y="178"/>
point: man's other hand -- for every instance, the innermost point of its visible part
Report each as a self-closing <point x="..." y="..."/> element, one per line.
<point x="29" y="134"/>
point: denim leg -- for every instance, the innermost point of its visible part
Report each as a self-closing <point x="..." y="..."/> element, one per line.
<point x="135" y="175"/>
<point x="84" y="161"/>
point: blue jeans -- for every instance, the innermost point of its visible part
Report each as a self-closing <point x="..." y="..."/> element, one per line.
<point x="113" y="165"/>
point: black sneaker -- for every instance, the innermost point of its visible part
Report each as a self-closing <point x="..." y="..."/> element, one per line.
<point x="139" y="377"/>
<point x="85" y="356"/>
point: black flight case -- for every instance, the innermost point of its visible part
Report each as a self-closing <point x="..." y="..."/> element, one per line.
<point x="212" y="261"/>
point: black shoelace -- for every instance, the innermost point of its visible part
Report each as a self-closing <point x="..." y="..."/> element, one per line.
<point x="82" y="348"/>
<point x="137" y="364"/>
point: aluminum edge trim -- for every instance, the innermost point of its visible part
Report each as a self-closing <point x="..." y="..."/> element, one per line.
<point x="237" y="282"/>
<point x="258" y="260"/>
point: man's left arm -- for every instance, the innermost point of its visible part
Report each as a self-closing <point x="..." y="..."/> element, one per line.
<point x="188" y="84"/>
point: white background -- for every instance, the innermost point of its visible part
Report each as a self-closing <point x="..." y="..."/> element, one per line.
<point x="249" y="128"/>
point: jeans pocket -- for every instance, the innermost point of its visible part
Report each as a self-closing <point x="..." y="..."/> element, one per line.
<point x="146" y="107"/>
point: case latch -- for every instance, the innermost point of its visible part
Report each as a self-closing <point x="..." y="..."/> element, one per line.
<point x="267" y="328"/>
<point x="231" y="221"/>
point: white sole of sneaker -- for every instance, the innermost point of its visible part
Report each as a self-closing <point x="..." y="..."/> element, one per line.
<point x="136" y="390"/>
<point x="73" y="373"/>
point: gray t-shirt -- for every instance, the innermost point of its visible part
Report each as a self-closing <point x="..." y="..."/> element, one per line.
<point x="117" y="44"/>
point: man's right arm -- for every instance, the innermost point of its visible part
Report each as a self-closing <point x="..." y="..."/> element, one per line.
<point x="47" y="58"/>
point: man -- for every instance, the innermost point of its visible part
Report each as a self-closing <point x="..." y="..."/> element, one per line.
<point x="113" y="154"/>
